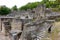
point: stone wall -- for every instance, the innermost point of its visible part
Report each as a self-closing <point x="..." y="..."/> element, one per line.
<point x="16" y="24"/>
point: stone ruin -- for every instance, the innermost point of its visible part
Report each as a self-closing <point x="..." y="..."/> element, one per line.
<point x="25" y="25"/>
<point x="36" y="30"/>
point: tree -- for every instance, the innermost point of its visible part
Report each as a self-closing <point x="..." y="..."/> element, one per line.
<point x="4" y="10"/>
<point x="29" y="6"/>
<point x="48" y="3"/>
<point x="45" y="1"/>
<point x="14" y="8"/>
<point x="58" y="1"/>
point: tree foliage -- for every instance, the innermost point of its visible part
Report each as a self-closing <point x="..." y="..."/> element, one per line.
<point x="30" y="6"/>
<point x="4" y="10"/>
<point x="49" y="4"/>
<point x="14" y="8"/>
